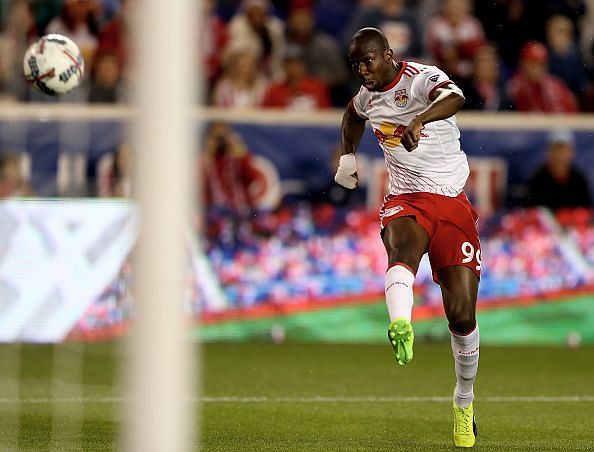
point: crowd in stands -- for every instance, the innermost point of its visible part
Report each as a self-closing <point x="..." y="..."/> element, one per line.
<point x="325" y="254"/>
<point x="321" y="253"/>
<point x="524" y="55"/>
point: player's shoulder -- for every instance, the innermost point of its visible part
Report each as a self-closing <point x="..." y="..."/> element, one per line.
<point x="413" y="69"/>
<point x="360" y="102"/>
<point x="363" y="94"/>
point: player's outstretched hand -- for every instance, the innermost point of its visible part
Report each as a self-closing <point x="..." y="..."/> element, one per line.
<point x="412" y="135"/>
<point x="346" y="174"/>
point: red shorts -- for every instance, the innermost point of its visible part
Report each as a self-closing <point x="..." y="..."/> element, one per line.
<point x="450" y="223"/>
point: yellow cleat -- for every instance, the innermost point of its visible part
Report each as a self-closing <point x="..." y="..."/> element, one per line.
<point x="401" y="336"/>
<point x="464" y="426"/>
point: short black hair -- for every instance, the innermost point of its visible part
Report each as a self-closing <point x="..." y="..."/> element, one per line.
<point x="370" y="35"/>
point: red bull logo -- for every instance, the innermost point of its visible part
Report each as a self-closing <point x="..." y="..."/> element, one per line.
<point x="401" y="98"/>
<point x="389" y="134"/>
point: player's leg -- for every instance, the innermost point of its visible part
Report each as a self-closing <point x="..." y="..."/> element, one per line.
<point x="455" y="256"/>
<point x="459" y="286"/>
<point x="405" y="242"/>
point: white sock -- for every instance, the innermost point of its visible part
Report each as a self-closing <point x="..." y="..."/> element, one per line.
<point x="399" y="292"/>
<point x="466" y="357"/>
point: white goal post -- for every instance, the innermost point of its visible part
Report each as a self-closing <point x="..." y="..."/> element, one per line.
<point x="160" y="370"/>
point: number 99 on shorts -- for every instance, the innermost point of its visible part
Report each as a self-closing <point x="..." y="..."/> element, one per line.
<point x="471" y="254"/>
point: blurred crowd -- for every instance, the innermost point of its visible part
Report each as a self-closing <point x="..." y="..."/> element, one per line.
<point x="323" y="252"/>
<point x="525" y="55"/>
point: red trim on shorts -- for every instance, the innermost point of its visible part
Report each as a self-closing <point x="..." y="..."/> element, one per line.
<point x="394" y="82"/>
<point x="441" y="85"/>
<point x="403" y="265"/>
<point x="463" y="335"/>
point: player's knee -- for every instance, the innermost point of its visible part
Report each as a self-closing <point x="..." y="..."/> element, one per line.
<point x="461" y="317"/>
<point x="402" y="255"/>
<point x="463" y="325"/>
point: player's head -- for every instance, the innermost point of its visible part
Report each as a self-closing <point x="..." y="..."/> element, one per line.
<point x="371" y="58"/>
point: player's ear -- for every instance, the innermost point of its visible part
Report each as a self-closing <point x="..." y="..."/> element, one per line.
<point x="388" y="54"/>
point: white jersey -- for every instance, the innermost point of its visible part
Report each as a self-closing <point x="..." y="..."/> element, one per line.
<point x="437" y="165"/>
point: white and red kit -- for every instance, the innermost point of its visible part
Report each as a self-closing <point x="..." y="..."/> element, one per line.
<point x="438" y="165"/>
<point x="428" y="182"/>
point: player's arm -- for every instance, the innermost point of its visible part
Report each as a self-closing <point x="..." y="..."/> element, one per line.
<point x="351" y="131"/>
<point x="446" y="102"/>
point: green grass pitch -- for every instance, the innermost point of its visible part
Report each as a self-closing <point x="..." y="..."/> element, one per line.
<point x="319" y="397"/>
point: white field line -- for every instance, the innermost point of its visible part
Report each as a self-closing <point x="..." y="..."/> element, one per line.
<point x="313" y="399"/>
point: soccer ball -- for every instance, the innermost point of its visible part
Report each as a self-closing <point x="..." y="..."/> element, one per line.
<point x="53" y="65"/>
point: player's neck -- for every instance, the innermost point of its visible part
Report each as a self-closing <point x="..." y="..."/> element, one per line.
<point x="396" y="67"/>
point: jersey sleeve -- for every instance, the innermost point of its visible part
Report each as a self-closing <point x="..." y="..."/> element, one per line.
<point x="359" y="102"/>
<point x="427" y="82"/>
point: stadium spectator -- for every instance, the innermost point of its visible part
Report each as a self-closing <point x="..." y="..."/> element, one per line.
<point x="122" y="171"/>
<point x="323" y="55"/>
<point x="534" y="89"/>
<point x="214" y="39"/>
<point x="395" y="20"/>
<point x="116" y="181"/>
<point x="78" y="21"/>
<point x="254" y="26"/>
<point x="242" y="84"/>
<point x="564" y="58"/>
<point x="232" y="182"/>
<point x="454" y="38"/>
<point x="558" y="183"/>
<point x="298" y="90"/>
<point x="510" y="22"/>
<point x="574" y="10"/>
<point x="105" y="80"/>
<point x="114" y="36"/>
<point x="12" y="180"/>
<point x="19" y="32"/>
<point x="485" y="90"/>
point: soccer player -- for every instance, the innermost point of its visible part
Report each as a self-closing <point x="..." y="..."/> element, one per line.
<point x="411" y="108"/>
